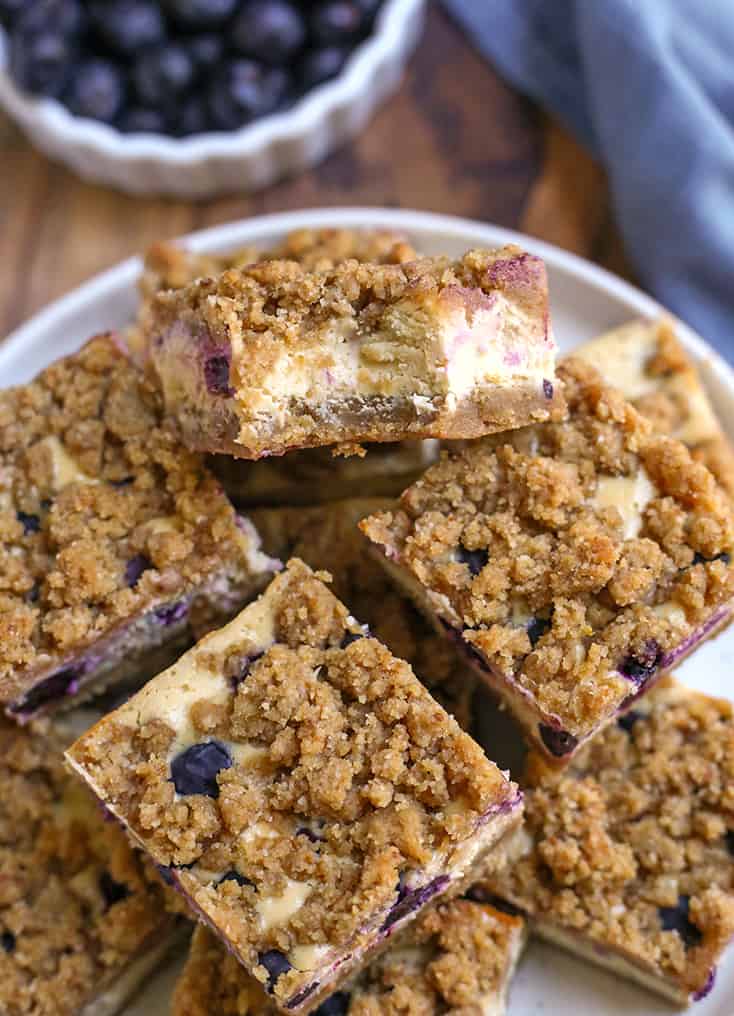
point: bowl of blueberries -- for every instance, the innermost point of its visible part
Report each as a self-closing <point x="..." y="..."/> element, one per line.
<point x="197" y="97"/>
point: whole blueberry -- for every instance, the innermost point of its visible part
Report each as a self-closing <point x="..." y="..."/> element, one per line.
<point x="642" y="664"/>
<point x="537" y="627"/>
<point x="135" y="568"/>
<point x="96" y="90"/>
<point x="335" y="1005"/>
<point x="475" y="559"/>
<point x="65" y="17"/>
<point x="142" y="120"/>
<point x="216" y="374"/>
<point x="193" y="118"/>
<point x="369" y="7"/>
<point x="30" y="523"/>
<point x="276" y="963"/>
<point x="205" y="50"/>
<point x="7" y="941"/>
<point x="320" y="65"/>
<point x="162" y="74"/>
<point x="171" y="613"/>
<point x="627" y="720"/>
<point x="128" y="26"/>
<point x="558" y="742"/>
<point x="39" y="62"/>
<point x="195" y="770"/>
<point x="676" y="919"/>
<point x="243" y="90"/>
<point x="271" y="31"/>
<point x="337" y="22"/>
<point x="234" y="876"/>
<point x="112" y="890"/>
<point x="9" y="11"/>
<point x="207" y="14"/>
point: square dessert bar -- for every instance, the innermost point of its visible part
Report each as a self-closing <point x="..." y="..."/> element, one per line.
<point x="300" y="787"/>
<point x="83" y="918"/>
<point x="272" y="358"/>
<point x="327" y="536"/>
<point x="628" y="858"/>
<point x="646" y="361"/>
<point x="114" y="539"/>
<point x="460" y="956"/>
<point x="572" y="562"/>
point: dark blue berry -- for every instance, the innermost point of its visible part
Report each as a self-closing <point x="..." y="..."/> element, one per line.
<point x="139" y="120"/>
<point x="335" y="1005"/>
<point x="207" y="14"/>
<point x="724" y="556"/>
<point x="192" y="117"/>
<point x="475" y="559"/>
<point x="162" y="74"/>
<point x="349" y="637"/>
<point x="96" y="90"/>
<point x="30" y="523"/>
<point x="205" y="50"/>
<point x="410" y="900"/>
<point x="547" y="388"/>
<point x="9" y="11"/>
<point x="537" y="627"/>
<point x="166" y="874"/>
<point x="320" y="65"/>
<point x="641" y="665"/>
<point x="171" y="613"/>
<point x="309" y="834"/>
<point x="216" y="375"/>
<point x="246" y="668"/>
<point x="369" y="7"/>
<point x="707" y="987"/>
<point x="64" y="17"/>
<point x="33" y="593"/>
<point x="135" y="568"/>
<point x="276" y="963"/>
<point x="271" y="31"/>
<point x="628" y="720"/>
<point x="128" y="26"/>
<point x="243" y="90"/>
<point x="112" y="890"/>
<point x="57" y="686"/>
<point x="301" y="996"/>
<point x="676" y="919"/>
<point x="729" y="840"/>
<point x="195" y="770"/>
<point x="558" y="742"/>
<point x="7" y="941"/>
<point x="234" y="876"/>
<point x="336" y="22"/>
<point x="40" y="62"/>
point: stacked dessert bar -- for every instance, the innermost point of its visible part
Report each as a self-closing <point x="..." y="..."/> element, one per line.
<point x="289" y="760"/>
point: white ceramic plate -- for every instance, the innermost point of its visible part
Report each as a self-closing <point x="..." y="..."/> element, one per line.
<point x="585" y="301"/>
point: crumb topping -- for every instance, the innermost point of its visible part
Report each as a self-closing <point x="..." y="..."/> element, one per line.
<point x="102" y="512"/>
<point x="575" y="556"/>
<point x="77" y="904"/>
<point x="633" y="847"/>
<point x="295" y="801"/>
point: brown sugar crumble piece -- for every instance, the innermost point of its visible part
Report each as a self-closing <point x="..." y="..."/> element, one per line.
<point x="272" y="358"/>
<point x="83" y="919"/>
<point x="114" y="540"/>
<point x="458" y="958"/>
<point x="628" y="858"/>
<point x="572" y="562"/>
<point x="300" y="787"/>
<point x="647" y="362"/>
<point x="327" y="536"/>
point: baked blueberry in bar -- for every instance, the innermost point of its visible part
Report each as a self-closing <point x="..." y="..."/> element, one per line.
<point x="114" y="540"/>
<point x="647" y="362"/>
<point x="327" y="536"/>
<point x="572" y="562"/>
<point x="300" y="787"/>
<point x="628" y="858"/>
<point x="83" y="918"/>
<point x="271" y="358"/>
<point x="459" y="957"/>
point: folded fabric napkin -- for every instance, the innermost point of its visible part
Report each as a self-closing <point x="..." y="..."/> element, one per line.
<point x="648" y="86"/>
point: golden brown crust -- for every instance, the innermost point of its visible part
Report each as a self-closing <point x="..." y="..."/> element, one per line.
<point x="519" y="546"/>
<point x="77" y="904"/>
<point x="637" y="834"/>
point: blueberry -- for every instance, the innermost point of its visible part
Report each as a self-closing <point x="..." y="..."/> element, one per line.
<point x="475" y="559"/>
<point x="9" y="11"/>
<point x="309" y="834"/>
<point x="96" y="90"/>
<point x="135" y="568"/>
<point x="335" y="1005"/>
<point x="7" y="941"/>
<point x="276" y="963"/>
<point x="234" y="876"/>
<point x="139" y="120"/>
<point x="112" y="890"/>
<point x="243" y="90"/>
<point x="640" y="666"/>
<point x="162" y="74"/>
<point x="64" y="17"/>
<point x="216" y="375"/>
<point x="205" y="50"/>
<point x="410" y="900"/>
<point x="128" y="26"/>
<point x="369" y="7"/>
<point x="707" y="987"/>
<point x="547" y="389"/>
<point x="246" y="668"/>
<point x="628" y="720"/>
<point x="729" y="840"/>
<point x="698" y="558"/>
<point x="192" y="117"/>
<point x="194" y="771"/>
<point x="337" y="22"/>
<point x="271" y="31"/>
<point x="676" y="919"/>
<point x="200" y="13"/>
<point x="33" y="593"/>
<point x="171" y="613"/>
<point x="349" y="637"/>
<point x="537" y="627"/>
<point x="63" y="682"/>
<point x="30" y="523"/>
<point x="558" y="742"/>
<point x="40" y="62"/>
<point x="301" y="996"/>
<point x="320" y="65"/>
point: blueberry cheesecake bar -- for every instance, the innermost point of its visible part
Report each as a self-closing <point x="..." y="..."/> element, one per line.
<point x="300" y="787"/>
<point x="114" y="540"/>
<point x="83" y="919"/>
<point x="327" y="536"/>
<point x="572" y="562"/>
<point x="272" y="358"/>
<point x="459" y="957"/>
<point x="628" y="858"/>
<point x="647" y="362"/>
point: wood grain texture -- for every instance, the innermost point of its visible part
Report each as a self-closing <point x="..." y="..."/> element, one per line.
<point x="455" y="139"/>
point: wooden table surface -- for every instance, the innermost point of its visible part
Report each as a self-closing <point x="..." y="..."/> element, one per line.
<point x="455" y="139"/>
